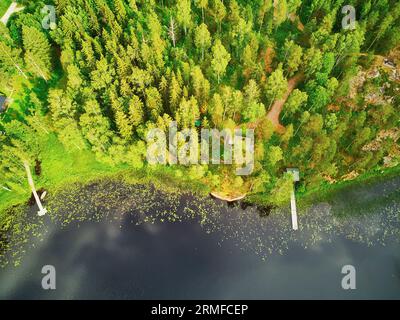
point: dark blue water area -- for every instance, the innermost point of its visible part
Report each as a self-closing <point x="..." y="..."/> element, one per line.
<point x="181" y="261"/>
<point x="121" y="260"/>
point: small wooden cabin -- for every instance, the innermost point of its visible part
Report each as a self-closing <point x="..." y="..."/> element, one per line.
<point x="3" y="103"/>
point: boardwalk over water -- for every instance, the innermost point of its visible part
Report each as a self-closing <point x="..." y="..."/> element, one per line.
<point x="42" y="211"/>
<point x="296" y="177"/>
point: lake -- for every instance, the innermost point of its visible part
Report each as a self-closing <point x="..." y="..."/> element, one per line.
<point x="226" y="252"/>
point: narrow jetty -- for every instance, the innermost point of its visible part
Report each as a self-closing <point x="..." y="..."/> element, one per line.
<point x="11" y="9"/>
<point x="42" y="211"/>
<point x="294" y="210"/>
<point x="296" y="177"/>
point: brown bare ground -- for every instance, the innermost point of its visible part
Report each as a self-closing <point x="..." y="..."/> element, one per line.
<point x="274" y="113"/>
<point x="276" y="109"/>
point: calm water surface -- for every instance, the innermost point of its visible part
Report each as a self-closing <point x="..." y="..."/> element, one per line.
<point x="120" y="260"/>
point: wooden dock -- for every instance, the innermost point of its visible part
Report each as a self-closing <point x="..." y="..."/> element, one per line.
<point x="296" y="177"/>
<point x="42" y="211"/>
<point x="11" y="9"/>
<point x="228" y="198"/>
<point x="294" y="210"/>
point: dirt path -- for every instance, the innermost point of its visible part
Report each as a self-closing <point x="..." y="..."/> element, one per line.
<point x="276" y="109"/>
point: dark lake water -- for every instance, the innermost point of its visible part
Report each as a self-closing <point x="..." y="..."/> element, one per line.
<point x="238" y="256"/>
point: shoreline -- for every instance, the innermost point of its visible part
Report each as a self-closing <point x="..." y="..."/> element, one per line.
<point x="165" y="180"/>
<point x="119" y="198"/>
<point x="113" y="196"/>
<point x="327" y="191"/>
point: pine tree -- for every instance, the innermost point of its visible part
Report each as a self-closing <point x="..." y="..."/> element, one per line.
<point x="293" y="55"/>
<point x="217" y="110"/>
<point x="95" y="127"/>
<point x="280" y="12"/>
<point x="37" y="52"/>
<point x="202" y="38"/>
<point x="153" y="103"/>
<point x="312" y="61"/>
<point x="220" y="59"/>
<point x="132" y="5"/>
<point x="201" y="86"/>
<point x="70" y="135"/>
<point x="123" y="124"/>
<point x="188" y="113"/>
<point x="219" y="12"/>
<point x="10" y="56"/>
<point x="175" y="92"/>
<point x="282" y="190"/>
<point x="296" y="99"/>
<point x="74" y="77"/>
<point x="202" y="4"/>
<point x="120" y="9"/>
<point x="276" y="85"/>
<point x="267" y="6"/>
<point x="103" y="75"/>
<point x="184" y="17"/>
<point x="136" y="112"/>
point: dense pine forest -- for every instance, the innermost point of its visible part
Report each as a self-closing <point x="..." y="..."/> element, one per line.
<point x="85" y="92"/>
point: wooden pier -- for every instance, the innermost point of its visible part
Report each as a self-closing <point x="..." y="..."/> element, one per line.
<point x="293" y="206"/>
<point x="294" y="210"/>
<point x="42" y="211"/>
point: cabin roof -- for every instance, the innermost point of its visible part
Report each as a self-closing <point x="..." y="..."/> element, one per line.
<point x="3" y="101"/>
<point x="295" y="172"/>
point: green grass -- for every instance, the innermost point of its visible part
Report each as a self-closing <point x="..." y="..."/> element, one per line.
<point x="326" y="191"/>
<point x="61" y="169"/>
<point x="60" y="166"/>
<point x="4" y="4"/>
<point x="16" y="90"/>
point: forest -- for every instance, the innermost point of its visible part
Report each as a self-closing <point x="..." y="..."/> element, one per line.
<point x="87" y="90"/>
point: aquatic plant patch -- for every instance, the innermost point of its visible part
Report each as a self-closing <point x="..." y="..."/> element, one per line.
<point x="121" y="202"/>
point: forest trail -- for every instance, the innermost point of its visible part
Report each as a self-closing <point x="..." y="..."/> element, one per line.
<point x="276" y="109"/>
<point x="277" y="106"/>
